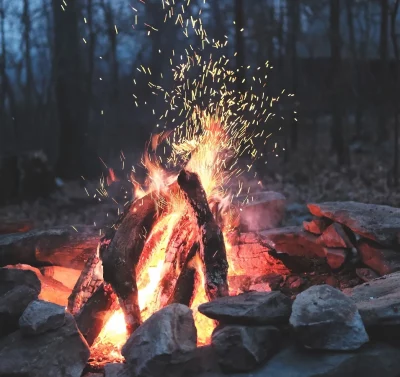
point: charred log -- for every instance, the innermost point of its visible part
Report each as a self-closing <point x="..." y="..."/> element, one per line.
<point x="185" y="284"/>
<point x="212" y="251"/>
<point x="89" y="281"/>
<point x="67" y="247"/>
<point x="122" y="254"/>
<point x="95" y="313"/>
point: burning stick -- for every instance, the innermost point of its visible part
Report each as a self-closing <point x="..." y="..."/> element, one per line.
<point x="212" y="251"/>
<point x="122" y="255"/>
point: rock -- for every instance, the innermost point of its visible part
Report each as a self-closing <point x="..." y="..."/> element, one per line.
<point x="335" y="257"/>
<point x="293" y="241"/>
<point x="295" y="282"/>
<point x="51" y="289"/>
<point x="332" y="281"/>
<point x="383" y="261"/>
<point x="264" y="210"/>
<point x="272" y="279"/>
<point x="12" y="305"/>
<point x="378" y="301"/>
<point x="366" y="274"/>
<point x="379" y="223"/>
<point x="335" y="236"/>
<point x="116" y="370"/>
<point x="260" y="287"/>
<point x="41" y="316"/>
<point x="164" y="341"/>
<point x="324" y="318"/>
<point x="253" y="308"/>
<point x="316" y="226"/>
<point x="246" y="254"/>
<point x="59" y="353"/>
<point x="243" y="348"/>
<point x="11" y="278"/>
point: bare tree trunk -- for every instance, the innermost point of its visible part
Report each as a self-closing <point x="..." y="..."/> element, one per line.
<point x="383" y="52"/>
<point x="396" y="93"/>
<point x="29" y="87"/>
<point x="338" y="140"/>
<point x="240" y="46"/>
<point x="294" y="19"/>
<point x="70" y="90"/>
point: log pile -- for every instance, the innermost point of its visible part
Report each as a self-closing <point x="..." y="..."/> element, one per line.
<point x="123" y="251"/>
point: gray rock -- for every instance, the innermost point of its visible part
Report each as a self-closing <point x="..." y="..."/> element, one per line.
<point x="335" y="257"/>
<point x="243" y="348"/>
<point x="372" y="360"/>
<point x="60" y="353"/>
<point x="378" y="301"/>
<point x="316" y="226"/>
<point x="116" y="370"/>
<point x="293" y="241"/>
<point x="254" y="308"/>
<point x="377" y="222"/>
<point x="264" y="210"/>
<point x="366" y="274"/>
<point x="383" y="261"/>
<point x="12" y="305"/>
<point x="324" y="318"/>
<point x="335" y="236"/>
<point x="41" y="316"/>
<point x="162" y="343"/>
<point x="11" y="278"/>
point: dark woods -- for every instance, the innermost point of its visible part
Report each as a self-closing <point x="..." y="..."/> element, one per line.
<point x="69" y="82"/>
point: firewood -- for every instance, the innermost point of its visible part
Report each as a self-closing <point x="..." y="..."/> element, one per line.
<point x="96" y="312"/>
<point x="68" y="247"/>
<point x="185" y="284"/>
<point x="122" y="254"/>
<point x="212" y="250"/>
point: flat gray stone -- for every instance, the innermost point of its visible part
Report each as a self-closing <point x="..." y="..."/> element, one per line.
<point x="324" y="318"/>
<point x="253" y="308"/>
<point x="164" y="341"/>
<point x="244" y="348"/>
<point x="379" y="223"/>
<point x="335" y="236"/>
<point x="116" y="370"/>
<point x="383" y="261"/>
<point x="41" y="316"/>
<point x="59" y="353"/>
<point x="378" y="301"/>
<point x="11" y="278"/>
<point x="372" y="360"/>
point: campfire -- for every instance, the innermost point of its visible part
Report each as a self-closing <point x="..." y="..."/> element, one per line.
<point x="171" y="244"/>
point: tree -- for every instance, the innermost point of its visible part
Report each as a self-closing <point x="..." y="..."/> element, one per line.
<point x="240" y="46"/>
<point x="70" y="90"/>
<point x="338" y="141"/>
<point x="396" y="93"/>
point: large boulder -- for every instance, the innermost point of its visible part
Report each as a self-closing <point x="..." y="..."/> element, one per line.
<point x="383" y="261"/>
<point x="378" y="302"/>
<point x="59" y="353"/>
<point x="41" y="316"/>
<point x="253" y="308"/>
<point x="379" y="223"/>
<point x="316" y="226"/>
<point x="243" y="348"/>
<point x="162" y="343"/>
<point x="260" y="211"/>
<point x="324" y="318"/>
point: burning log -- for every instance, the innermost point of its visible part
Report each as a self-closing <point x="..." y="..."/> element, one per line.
<point x="177" y="252"/>
<point x="122" y="255"/>
<point x="95" y="313"/>
<point x="89" y="281"/>
<point x="67" y="247"/>
<point x="185" y="284"/>
<point x="212" y="251"/>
